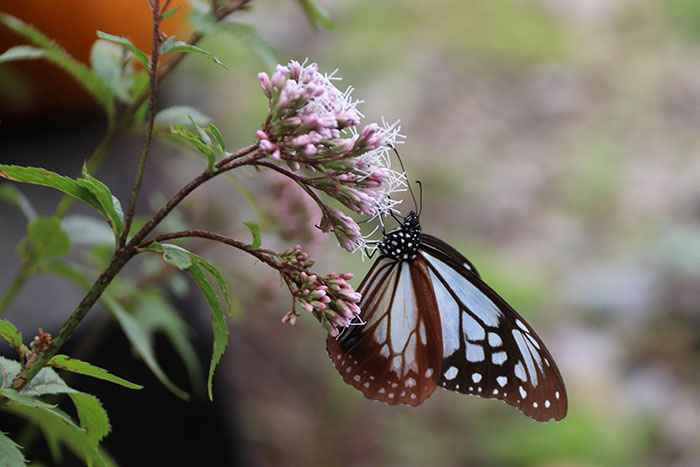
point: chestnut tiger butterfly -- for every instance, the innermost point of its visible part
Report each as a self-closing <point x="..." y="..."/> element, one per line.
<point x="430" y="320"/>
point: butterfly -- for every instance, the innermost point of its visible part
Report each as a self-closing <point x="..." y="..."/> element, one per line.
<point x="430" y="320"/>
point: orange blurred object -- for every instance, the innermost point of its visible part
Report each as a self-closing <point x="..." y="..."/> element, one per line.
<point x="43" y="88"/>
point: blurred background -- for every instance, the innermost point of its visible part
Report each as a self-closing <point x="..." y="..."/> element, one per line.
<point x="558" y="143"/>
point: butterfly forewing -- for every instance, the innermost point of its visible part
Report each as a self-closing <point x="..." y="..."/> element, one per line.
<point x="392" y="357"/>
<point x="493" y="352"/>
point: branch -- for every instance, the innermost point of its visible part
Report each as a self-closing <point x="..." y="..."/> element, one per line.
<point x="153" y="88"/>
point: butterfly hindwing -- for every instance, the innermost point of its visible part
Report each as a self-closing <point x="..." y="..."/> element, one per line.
<point x="392" y="357"/>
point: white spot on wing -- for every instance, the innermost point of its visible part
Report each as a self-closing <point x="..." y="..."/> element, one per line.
<point x="556" y="394"/>
<point x="451" y="373"/>
<point x="476" y="377"/>
<point x="495" y="340"/>
<point x="475" y="352"/>
<point x="499" y="357"/>
<point x="547" y="404"/>
<point x="523" y="393"/>
<point x="384" y="351"/>
<point x="502" y="380"/>
<point x="428" y="372"/>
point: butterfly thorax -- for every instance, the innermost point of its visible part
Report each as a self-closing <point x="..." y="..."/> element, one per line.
<point x="402" y="243"/>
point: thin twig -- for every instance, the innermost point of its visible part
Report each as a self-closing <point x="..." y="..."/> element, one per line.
<point x="153" y="88"/>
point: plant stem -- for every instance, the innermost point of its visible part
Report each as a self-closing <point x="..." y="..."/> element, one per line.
<point x="120" y="258"/>
<point x="153" y="88"/>
<point x="239" y="161"/>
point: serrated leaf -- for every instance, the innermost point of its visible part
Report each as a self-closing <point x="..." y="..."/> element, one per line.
<point x="58" y="425"/>
<point x="86" y="230"/>
<point x="176" y="256"/>
<point x="45" y="238"/>
<point x="255" y="230"/>
<point x="315" y="15"/>
<point x="180" y="115"/>
<point x="46" y="381"/>
<point x="10" y="454"/>
<point x="107" y="61"/>
<point x="92" y="416"/>
<point x="218" y="320"/>
<point x="138" y="53"/>
<point x="39" y="176"/>
<point x="111" y="207"/>
<point x="172" y="46"/>
<point x="65" y="362"/>
<point x="142" y="342"/>
<point x="10" y="193"/>
<point x="9" y="369"/>
<point x="219" y="279"/>
<point x="58" y="56"/>
<point x="260" y="47"/>
<point x="9" y="332"/>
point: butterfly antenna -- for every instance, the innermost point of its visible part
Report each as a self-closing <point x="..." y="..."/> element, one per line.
<point x="408" y="183"/>
<point x="420" y="197"/>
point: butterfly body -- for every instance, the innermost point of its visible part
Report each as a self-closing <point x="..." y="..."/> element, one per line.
<point x="431" y="321"/>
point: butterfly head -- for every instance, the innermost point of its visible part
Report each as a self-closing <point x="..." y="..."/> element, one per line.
<point x="402" y="243"/>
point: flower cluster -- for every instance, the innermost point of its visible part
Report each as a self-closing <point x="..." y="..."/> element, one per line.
<point x="313" y="127"/>
<point x="331" y="298"/>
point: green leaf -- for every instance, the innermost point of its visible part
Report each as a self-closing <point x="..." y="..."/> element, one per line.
<point x="250" y="36"/>
<point x="111" y="207"/>
<point x="45" y="238"/>
<point x="315" y="15"/>
<point x="142" y="342"/>
<point x="180" y="115"/>
<point x="138" y="53"/>
<point x="58" y="56"/>
<point x="156" y="314"/>
<point x="39" y="176"/>
<point x="218" y="320"/>
<point x="21" y="52"/>
<point x="9" y="332"/>
<point x="219" y="138"/>
<point x="86" y="230"/>
<point x="67" y="271"/>
<point x="108" y="62"/>
<point x="57" y="425"/>
<point x="10" y="193"/>
<point x="9" y="369"/>
<point x="171" y="46"/>
<point x="10" y="454"/>
<point x="92" y="416"/>
<point x="46" y="381"/>
<point x="170" y="12"/>
<point x="255" y="230"/>
<point x="219" y="279"/>
<point x="176" y="256"/>
<point x="65" y="362"/>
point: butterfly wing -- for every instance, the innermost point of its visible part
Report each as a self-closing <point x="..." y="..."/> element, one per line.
<point x="488" y="348"/>
<point x="396" y="356"/>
